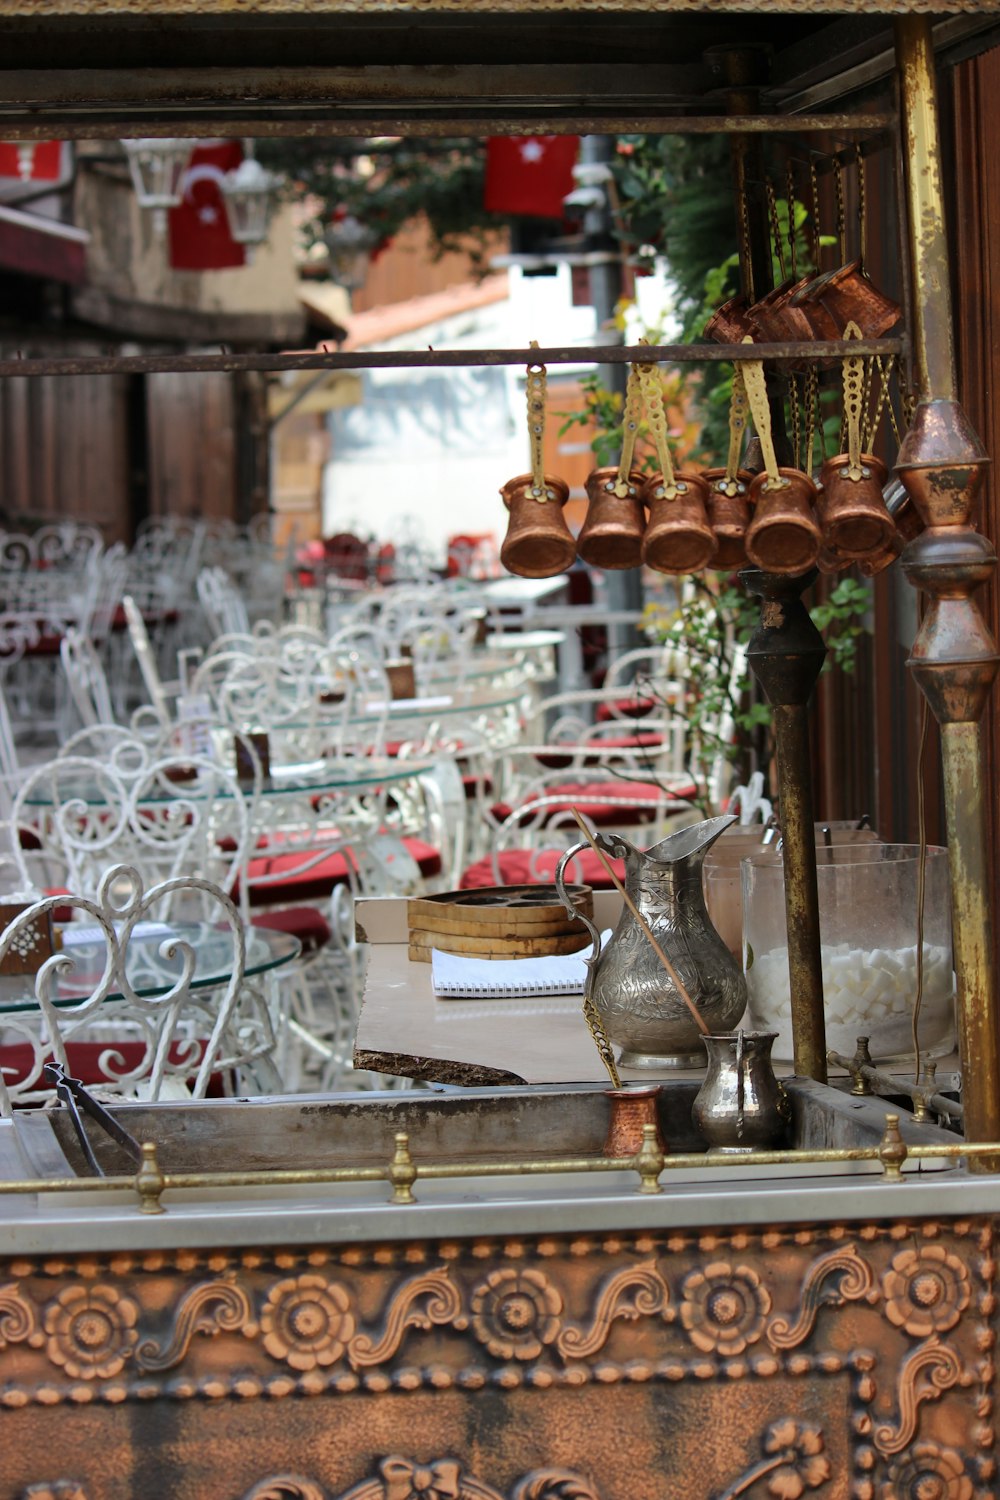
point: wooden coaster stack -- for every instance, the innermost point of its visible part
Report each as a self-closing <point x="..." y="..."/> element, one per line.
<point x="513" y="921"/>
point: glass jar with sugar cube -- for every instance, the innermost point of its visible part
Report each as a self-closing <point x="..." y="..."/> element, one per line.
<point x="868" y="934"/>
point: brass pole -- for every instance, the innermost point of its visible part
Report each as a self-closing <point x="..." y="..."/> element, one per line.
<point x="786" y="654"/>
<point x="954" y="660"/>
<point x="933" y="339"/>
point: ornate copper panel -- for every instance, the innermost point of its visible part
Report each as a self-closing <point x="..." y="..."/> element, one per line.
<point x="849" y="1361"/>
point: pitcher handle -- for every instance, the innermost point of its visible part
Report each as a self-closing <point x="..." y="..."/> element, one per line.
<point x="567" y="900"/>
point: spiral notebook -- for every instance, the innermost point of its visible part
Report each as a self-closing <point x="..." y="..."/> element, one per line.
<point x="454" y="976"/>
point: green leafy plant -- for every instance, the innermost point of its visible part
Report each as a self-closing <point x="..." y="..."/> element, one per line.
<point x="727" y="721"/>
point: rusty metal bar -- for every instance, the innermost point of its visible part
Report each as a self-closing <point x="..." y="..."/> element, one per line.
<point x="786" y="654"/>
<point x="202" y="118"/>
<point x="374" y="359"/>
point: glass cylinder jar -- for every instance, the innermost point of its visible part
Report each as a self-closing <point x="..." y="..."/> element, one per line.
<point x="868" y="933"/>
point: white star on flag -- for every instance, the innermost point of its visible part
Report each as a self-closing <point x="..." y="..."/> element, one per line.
<point x="532" y="151"/>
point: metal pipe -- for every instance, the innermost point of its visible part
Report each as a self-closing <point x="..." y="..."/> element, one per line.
<point x="933" y="339"/>
<point x="786" y="654"/>
<point x="203" y="117"/>
<point x="574" y="354"/>
<point x="798" y="839"/>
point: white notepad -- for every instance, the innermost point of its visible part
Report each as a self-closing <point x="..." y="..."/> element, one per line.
<point x="455" y="976"/>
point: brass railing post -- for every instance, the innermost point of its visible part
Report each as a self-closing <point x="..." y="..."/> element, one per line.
<point x="954" y="660"/>
<point x="786" y="654"/>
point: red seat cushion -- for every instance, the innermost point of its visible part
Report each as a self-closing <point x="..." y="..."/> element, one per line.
<point x="304" y="922"/>
<point x="527" y="867"/>
<point x="630" y="708"/>
<point x="554" y="760"/>
<point x="577" y="793"/>
<point x="84" y="1060"/>
<point x="474" y="785"/>
<point x="296" y="876"/>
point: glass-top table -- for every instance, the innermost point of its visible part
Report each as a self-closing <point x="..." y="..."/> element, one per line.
<point x="349" y="774"/>
<point x="150" y="965"/>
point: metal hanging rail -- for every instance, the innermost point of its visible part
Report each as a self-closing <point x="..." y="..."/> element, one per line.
<point x="614" y="354"/>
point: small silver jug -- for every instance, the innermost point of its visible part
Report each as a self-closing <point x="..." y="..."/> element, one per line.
<point x="741" y="1106"/>
<point x="633" y="994"/>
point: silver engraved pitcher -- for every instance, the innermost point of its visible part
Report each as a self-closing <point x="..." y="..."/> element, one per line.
<point x="633" y="994"/>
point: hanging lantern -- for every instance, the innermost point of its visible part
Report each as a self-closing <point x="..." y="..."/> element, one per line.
<point x="157" y="168"/>
<point x="349" y="244"/>
<point x="249" y="192"/>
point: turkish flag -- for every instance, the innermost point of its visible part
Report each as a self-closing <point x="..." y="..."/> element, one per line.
<point x="31" y="161"/>
<point x="529" y="174"/>
<point x="199" y="228"/>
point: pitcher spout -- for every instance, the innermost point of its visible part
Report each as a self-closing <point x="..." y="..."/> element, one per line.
<point x="689" y="843"/>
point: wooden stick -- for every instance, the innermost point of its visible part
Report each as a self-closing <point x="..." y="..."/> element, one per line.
<point x="664" y="960"/>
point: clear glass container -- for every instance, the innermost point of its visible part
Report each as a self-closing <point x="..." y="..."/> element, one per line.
<point x="721" y="870"/>
<point x="868" y="933"/>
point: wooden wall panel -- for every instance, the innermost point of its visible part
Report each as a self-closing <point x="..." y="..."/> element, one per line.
<point x="63" y="452"/>
<point x="192" y="446"/>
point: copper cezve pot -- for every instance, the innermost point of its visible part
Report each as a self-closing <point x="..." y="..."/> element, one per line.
<point x="783" y="536"/>
<point x="538" y="543"/>
<point x="852" y="512"/>
<point x="730" y="323"/>
<point x="612" y="533"/>
<point x="678" y="537"/>
<point x="728" y="515"/>
<point x="849" y="297"/>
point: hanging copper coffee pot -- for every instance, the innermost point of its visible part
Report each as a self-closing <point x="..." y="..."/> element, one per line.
<point x="728" y="489"/>
<point x="783" y="536"/>
<point x="856" y="523"/>
<point x="852" y="511"/>
<point x="611" y="536"/>
<point x="538" y="543"/>
<point x="678" y="536"/>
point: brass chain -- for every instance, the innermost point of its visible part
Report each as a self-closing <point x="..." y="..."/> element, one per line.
<point x="656" y="418"/>
<point x="795" y="413"/>
<point x="793" y="248"/>
<point x="886" y="369"/>
<point x="812" y="419"/>
<point x="772" y="210"/>
<point x="869" y="423"/>
<point x="853" y="387"/>
<point x="838" y="183"/>
<point x="747" y="258"/>
<point x="816" y="232"/>
<point x="630" y="428"/>
<point x="537" y="390"/>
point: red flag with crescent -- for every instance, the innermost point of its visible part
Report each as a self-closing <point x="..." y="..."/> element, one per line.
<point x="199" y="229"/>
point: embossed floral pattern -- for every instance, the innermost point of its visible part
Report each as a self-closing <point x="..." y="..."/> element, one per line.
<point x="723" y="1309"/>
<point x="515" y="1313"/>
<point x="802" y="1465"/>
<point x="928" y="1472"/>
<point x="91" y="1331"/>
<point x="307" y="1321"/>
<point x="407" y="1481"/>
<point x="926" y="1290"/>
